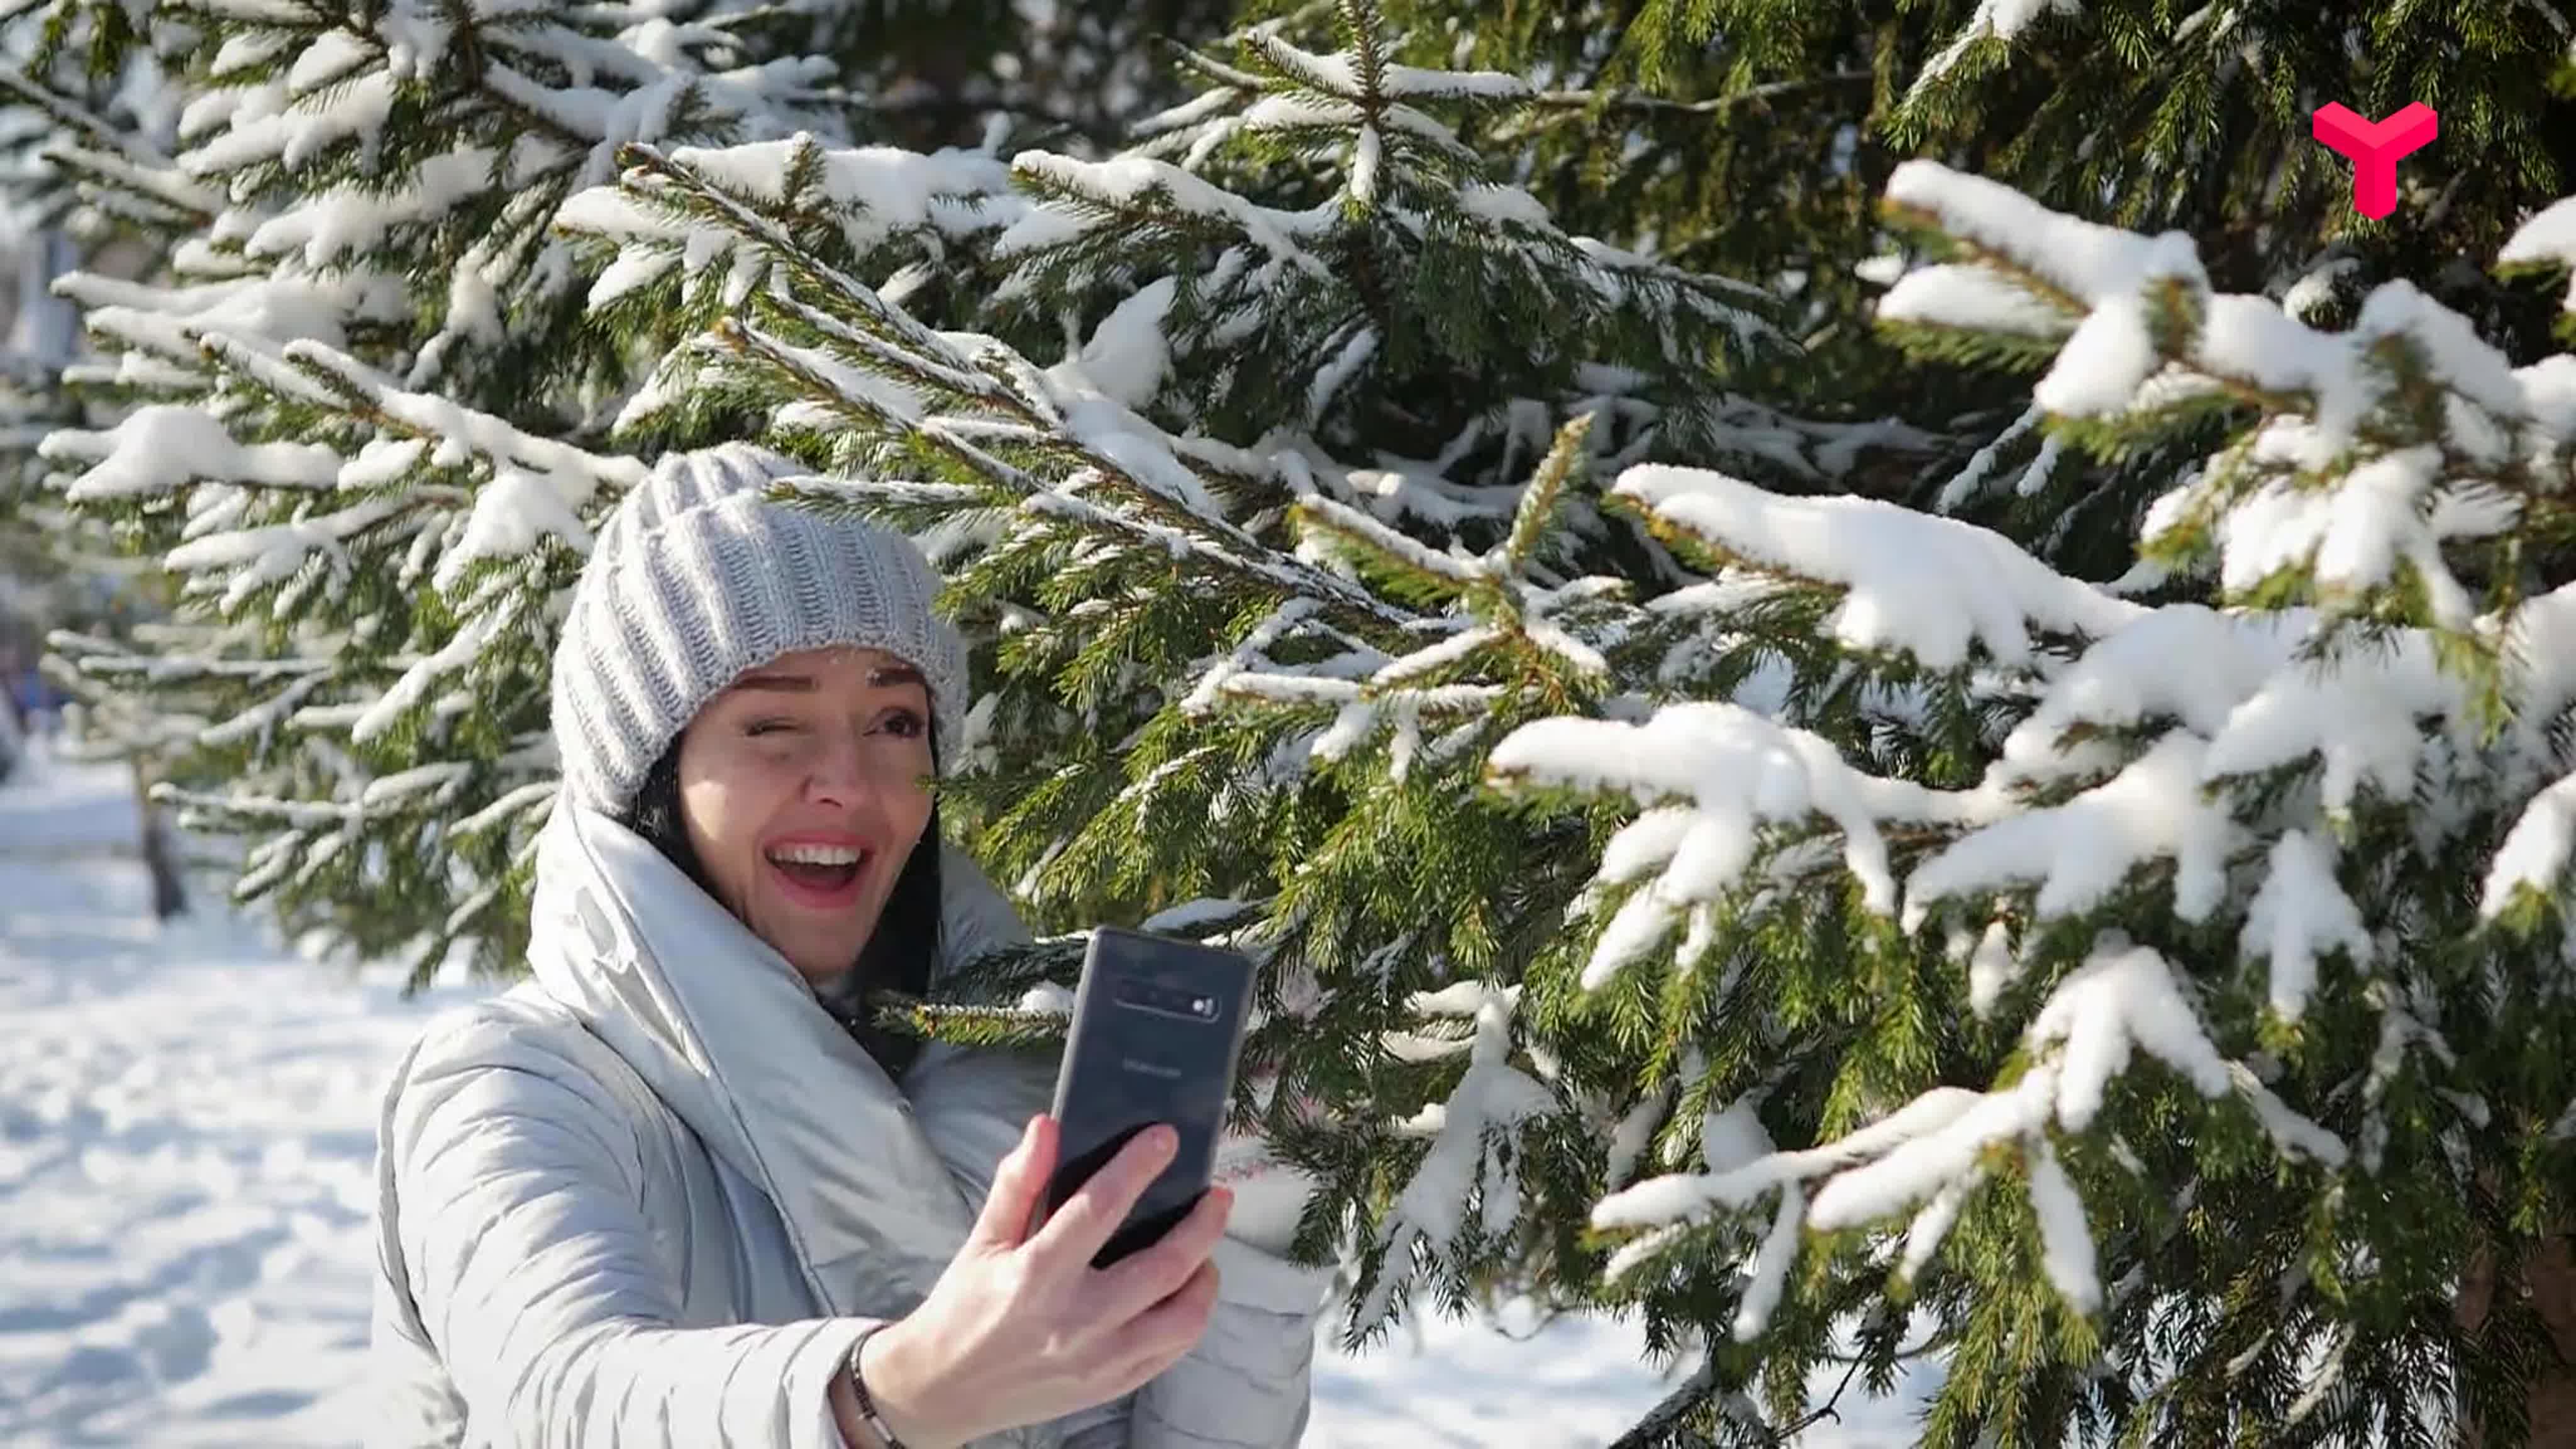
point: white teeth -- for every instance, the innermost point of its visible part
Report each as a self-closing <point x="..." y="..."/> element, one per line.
<point x="815" y="855"/>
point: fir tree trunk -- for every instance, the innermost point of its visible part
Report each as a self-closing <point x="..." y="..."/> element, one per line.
<point x="160" y="851"/>
<point x="2548" y="1274"/>
<point x="2551" y="1272"/>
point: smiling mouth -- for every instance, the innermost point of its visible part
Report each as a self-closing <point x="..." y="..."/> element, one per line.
<point x="820" y="873"/>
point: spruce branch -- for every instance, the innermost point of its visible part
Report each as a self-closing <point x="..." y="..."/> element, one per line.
<point x="1593" y="101"/>
<point x="68" y="112"/>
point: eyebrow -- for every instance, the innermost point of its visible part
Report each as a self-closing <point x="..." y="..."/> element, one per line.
<point x="881" y="677"/>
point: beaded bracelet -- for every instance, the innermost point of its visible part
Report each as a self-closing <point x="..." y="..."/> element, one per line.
<point x="859" y="1387"/>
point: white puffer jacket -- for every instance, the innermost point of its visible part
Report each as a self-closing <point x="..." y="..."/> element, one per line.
<point x="648" y="1197"/>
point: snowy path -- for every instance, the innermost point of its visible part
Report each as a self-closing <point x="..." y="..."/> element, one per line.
<point x="186" y="1127"/>
<point x="185" y="1136"/>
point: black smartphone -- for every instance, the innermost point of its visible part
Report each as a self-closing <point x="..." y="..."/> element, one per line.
<point x="1157" y="1027"/>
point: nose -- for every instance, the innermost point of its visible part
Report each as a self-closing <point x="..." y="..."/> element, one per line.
<point x="840" y="776"/>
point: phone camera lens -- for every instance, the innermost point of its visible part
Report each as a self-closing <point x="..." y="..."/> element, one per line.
<point x="1202" y="1006"/>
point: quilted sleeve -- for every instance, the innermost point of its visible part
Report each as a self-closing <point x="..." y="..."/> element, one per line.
<point x="533" y="1276"/>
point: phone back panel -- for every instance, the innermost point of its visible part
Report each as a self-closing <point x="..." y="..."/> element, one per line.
<point x="1157" y="1027"/>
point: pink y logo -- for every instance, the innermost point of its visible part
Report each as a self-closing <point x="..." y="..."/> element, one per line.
<point x="2374" y="149"/>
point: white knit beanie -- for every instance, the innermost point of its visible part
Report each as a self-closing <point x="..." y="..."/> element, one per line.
<point x="696" y="580"/>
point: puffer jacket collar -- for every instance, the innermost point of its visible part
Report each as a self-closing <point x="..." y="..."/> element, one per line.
<point x="732" y="1039"/>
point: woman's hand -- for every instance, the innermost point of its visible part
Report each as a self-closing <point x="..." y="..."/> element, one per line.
<point x="1021" y="1328"/>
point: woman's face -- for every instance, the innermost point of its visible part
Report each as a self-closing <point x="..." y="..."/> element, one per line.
<point x="805" y="787"/>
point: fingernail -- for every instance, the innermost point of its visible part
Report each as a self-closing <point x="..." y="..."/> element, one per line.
<point x="1166" y="1141"/>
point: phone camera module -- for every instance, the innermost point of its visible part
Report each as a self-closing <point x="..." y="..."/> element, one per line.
<point x="1178" y="1002"/>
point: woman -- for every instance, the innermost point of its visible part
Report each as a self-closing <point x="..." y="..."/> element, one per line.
<point x="666" y="1192"/>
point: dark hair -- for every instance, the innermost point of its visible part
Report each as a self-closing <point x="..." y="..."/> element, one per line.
<point x="899" y="952"/>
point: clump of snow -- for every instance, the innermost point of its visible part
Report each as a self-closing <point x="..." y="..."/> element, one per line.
<point x="511" y="514"/>
<point x="2066" y="1241"/>
<point x="1489" y="201"/>
<point x="1931" y="1152"/>
<point x="2184" y="661"/>
<point x="2315" y="288"/>
<point x="291" y="137"/>
<point x="1954" y="295"/>
<point x="2102" y="366"/>
<point x="1927" y="585"/>
<point x="2300" y="911"/>
<point x="2534" y="855"/>
<point x="2356" y="714"/>
<point x="2091" y="262"/>
<point x="1991" y="967"/>
<point x="1635" y="1132"/>
<point x="2081" y="851"/>
<point x="348" y="222"/>
<point x="2123" y="997"/>
<point x="1732" y="1136"/>
<point x="1740" y="772"/>
<point x="1944" y="1152"/>
<point x="1769" y="1276"/>
<point x="165" y="446"/>
<point x="1128" y="354"/>
<point x="1474" y="1144"/>
<point x="874" y="191"/>
<point x="2548" y="237"/>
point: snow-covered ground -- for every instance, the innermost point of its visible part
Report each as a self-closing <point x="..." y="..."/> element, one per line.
<point x="186" y="1120"/>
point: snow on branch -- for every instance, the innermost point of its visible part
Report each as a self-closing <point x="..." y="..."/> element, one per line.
<point x="1085" y="194"/>
<point x="1474" y="1143"/>
<point x="1915" y="582"/>
<point x="1735" y="773"/>
<point x="873" y="194"/>
<point x="2300" y="912"/>
<point x="252" y="559"/>
<point x="2535" y="854"/>
<point x="324" y="229"/>
<point x="159" y="448"/>
<point x="1105" y="466"/>
<point x="1994" y="20"/>
<point x="2184" y="662"/>
<point x="170" y="322"/>
<point x="1965" y="296"/>
<point x="2547" y="239"/>
<point x="1340" y="75"/>
<point x="1361" y="93"/>
<point x="656" y="188"/>
<point x="2087" y="261"/>
<point x="1930" y="1153"/>
<point x="2083" y="850"/>
<point x="2112" y="361"/>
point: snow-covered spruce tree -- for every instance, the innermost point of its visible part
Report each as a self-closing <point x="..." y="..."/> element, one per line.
<point x="2159" y="993"/>
<point x="343" y="430"/>
<point x="365" y="410"/>
<point x="2283" y="833"/>
<point x="361" y="415"/>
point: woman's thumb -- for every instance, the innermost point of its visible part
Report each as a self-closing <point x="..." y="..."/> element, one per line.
<point x="1018" y="1185"/>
